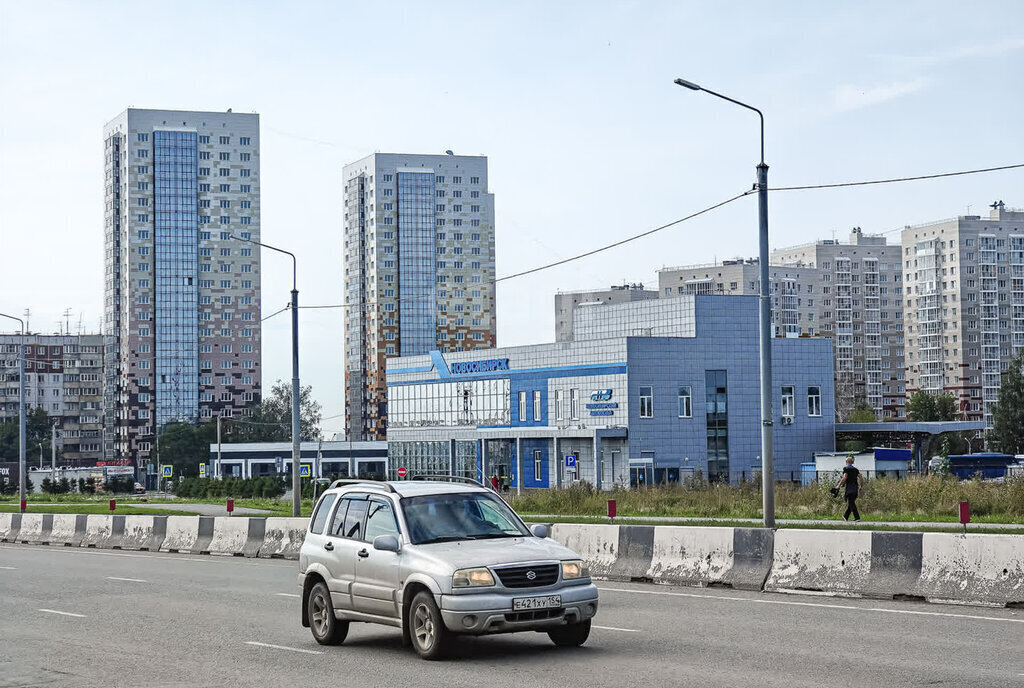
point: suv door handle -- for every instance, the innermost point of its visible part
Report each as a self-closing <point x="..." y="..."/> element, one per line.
<point x="363" y="553"/>
<point x="329" y="547"/>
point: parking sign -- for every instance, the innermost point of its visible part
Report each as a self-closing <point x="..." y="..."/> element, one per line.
<point x="570" y="461"/>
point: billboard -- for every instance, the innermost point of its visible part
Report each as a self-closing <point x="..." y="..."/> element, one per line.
<point x="119" y="470"/>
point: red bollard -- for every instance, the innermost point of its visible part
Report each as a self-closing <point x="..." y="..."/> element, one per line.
<point x="24" y="505"/>
<point x="113" y="504"/>
<point x="965" y="514"/>
<point x="231" y="505"/>
<point x="611" y="508"/>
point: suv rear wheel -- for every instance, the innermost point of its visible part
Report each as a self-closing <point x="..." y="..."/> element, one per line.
<point x="427" y="631"/>
<point x="572" y="635"/>
<point x="327" y="630"/>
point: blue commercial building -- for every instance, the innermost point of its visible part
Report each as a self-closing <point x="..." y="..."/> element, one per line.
<point x="648" y="392"/>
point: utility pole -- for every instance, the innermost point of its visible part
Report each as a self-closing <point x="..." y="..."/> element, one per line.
<point x="220" y="471"/>
<point x="53" y="454"/>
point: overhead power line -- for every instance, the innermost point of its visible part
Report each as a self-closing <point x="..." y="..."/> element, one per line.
<point x="897" y="179"/>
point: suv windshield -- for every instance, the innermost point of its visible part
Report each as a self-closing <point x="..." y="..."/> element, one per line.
<point x="459" y="516"/>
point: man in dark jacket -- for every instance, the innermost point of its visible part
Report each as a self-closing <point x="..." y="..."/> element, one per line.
<point x="853" y="480"/>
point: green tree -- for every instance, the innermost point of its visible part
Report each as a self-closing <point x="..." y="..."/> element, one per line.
<point x="185" y="446"/>
<point x="1008" y="414"/>
<point x="862" y="413"/>
<point x="271" y="419"/>
<point x="921" y="407"/>
<point x="38" y="429"/>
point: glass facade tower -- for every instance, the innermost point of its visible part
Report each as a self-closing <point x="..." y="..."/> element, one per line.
<point x="175" y="266"/>
<point x="416" y="254"/>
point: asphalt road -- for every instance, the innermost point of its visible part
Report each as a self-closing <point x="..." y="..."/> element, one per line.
<point x="74" y="617"/>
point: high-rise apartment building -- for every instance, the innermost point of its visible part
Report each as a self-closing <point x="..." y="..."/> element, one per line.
<point x="859" y="304"/>
<point x="182" y="296"/>
<point x="964" y="305"/>
<point x="566" y="303"/>
<point x="419" y="270"/>
<point x="64" y="377"/>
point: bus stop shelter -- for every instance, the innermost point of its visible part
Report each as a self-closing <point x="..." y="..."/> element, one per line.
<point x="914" y="434"/>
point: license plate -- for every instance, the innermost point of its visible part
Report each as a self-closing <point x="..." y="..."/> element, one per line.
<point x="546" y="602"/>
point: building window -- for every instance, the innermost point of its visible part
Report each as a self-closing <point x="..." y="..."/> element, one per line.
<point x="685" y="402"/>
<point x="536" y="405"/>
<point x="646" y="401"/>
<point x="538" y="464"/>
<point x="716" y="396"/>
<point x="814" y="401"/>
<point x="787" y="401"/>
<point x="522" y="407"/>
<point x="574" y="404"/>
<point x="558" y="405"/>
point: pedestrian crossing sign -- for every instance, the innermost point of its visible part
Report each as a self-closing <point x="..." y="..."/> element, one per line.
<point x="167" y="471"/>
<point x="305" y="470"/>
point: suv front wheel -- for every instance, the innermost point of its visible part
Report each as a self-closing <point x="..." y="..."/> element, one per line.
<point x="327" y="630"/>
<point x="572" y="635"/>
<point x="427" y="632"/>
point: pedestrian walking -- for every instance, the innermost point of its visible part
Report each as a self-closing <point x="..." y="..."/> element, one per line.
<point x="494" y="483"/>
<point x="853" y="480"/>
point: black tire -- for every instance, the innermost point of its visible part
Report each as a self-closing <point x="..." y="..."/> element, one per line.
<point x="427" y="633"/>
<point x="326" y="629"/>
<point x="571" y="635"/>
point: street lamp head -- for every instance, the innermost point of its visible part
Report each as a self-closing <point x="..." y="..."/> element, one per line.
<point x="688" y="84"/>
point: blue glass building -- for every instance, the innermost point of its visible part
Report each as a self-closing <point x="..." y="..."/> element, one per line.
<point x="649" y="391"/>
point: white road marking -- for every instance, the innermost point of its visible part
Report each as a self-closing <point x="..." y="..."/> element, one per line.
<point x="205" y="559"/>
<point x="814" y="604"/>
<point x="287" y="594"/>
<point x="54" y="611"/>
<point x="282" y="647"/>
<point x="8" y="568"/>
<point x="130" y="580"/>
<point x="613" y="628"/>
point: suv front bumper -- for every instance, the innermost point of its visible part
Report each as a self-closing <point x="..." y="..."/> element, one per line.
<point x="491" y="612"/>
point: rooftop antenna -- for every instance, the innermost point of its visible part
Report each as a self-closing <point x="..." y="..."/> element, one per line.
<point x="968" y="208"/>
<point x="80" y="316"/>
<point x="67" y="321"/>
<point x="28" y="312"/>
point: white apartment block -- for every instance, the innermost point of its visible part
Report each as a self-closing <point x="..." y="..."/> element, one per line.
<point x="419" y="270"/>
<point x="795" y="290"/>
<point x="182" y="293"/>
<point x="566" y="303"/>
<point x="964" y="305"/>
<point x="64" y="377"/>
<point x="860" y="306"/>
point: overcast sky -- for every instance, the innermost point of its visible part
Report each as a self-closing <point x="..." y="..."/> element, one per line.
<point x="588" y="139"/>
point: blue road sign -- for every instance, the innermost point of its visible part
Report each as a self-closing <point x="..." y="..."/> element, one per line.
<point x="167" y="471"/>
<point x="305" y="470"/>
<point x="570" y="461"/>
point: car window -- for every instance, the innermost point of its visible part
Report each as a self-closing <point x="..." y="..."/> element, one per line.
<point x="323" y="510"/>
<point x="354" y="519"/>
<point x="459" y="516"/>
<point x="380" y="520"/>
<point x="338" y="526"/>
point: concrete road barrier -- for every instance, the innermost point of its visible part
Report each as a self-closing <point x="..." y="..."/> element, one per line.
<point x="35" y="528"/>
<point x="978" y="569"/>
<point x="144" y="533"/>
<point x="68" y="529"/>
<point x="182" y="534"/>
<point x="830" y="561"/>
<point x="103" y="532"/>
<point x="691" y="556"/>
<point x="237" y="536"/>
<point x="10" y="525"/>
<point x="598" y="545"/>
<point x="282" y="538"/>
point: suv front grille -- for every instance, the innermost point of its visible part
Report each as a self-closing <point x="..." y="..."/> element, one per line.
<point x="519" y="576"/>
<point x="534" y="615"/>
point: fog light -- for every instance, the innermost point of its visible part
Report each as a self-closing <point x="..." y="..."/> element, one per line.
<point x="469" y="621"/>
<point x="591" y="609"/>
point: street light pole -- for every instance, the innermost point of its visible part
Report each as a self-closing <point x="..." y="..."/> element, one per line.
<point x="765" y="321"/>
<point x="22" y="467"/>
<point x="296" y="446"/>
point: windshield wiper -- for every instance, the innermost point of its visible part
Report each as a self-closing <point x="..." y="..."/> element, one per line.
<point x="487" y="536"/>
<point x="443" y="538"/>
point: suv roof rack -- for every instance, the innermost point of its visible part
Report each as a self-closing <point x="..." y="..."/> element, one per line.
<point x="449" y="478"/>
<point x="379" y="484"/>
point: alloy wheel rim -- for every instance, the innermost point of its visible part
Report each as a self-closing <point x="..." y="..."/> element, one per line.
<point x="423" y="627"/>
<point x="320" y="620"/>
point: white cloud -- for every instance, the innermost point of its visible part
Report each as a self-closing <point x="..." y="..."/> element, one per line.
<point x="850" y="97"/>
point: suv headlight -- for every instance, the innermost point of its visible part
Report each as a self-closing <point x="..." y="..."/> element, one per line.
<point x="472" y="578"/>
<point x="574" y="569"/>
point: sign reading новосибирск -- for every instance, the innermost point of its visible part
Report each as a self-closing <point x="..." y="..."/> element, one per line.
<point x="479" y="366"/>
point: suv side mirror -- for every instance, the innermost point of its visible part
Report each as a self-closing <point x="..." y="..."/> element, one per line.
<point x="386" y="543"/>
<point x="540" y="530"/>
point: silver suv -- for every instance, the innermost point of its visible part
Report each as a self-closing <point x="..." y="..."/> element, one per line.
<point x="436" y="559"/>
